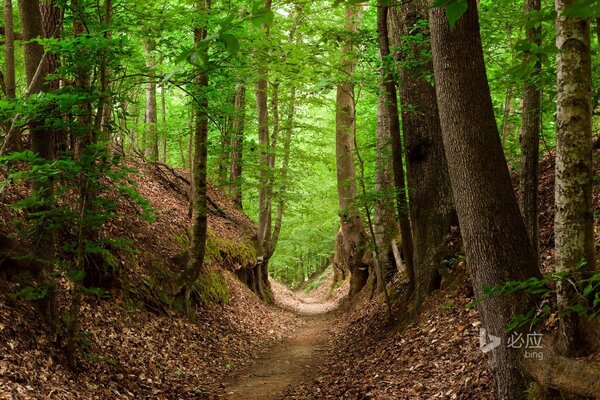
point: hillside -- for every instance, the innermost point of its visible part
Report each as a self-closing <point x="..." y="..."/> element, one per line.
<point x="136" y="346"/>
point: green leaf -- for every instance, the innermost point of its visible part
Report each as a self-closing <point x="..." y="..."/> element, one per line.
<point x="455" y="10"/>
<point x="588" y="290"/>
<point x="579" y="309"/>
<point x="231" y="43"/>
<point x="76" y="275"/>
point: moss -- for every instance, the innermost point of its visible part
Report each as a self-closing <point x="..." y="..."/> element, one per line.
<point x="211" y="287"/>
<point x="227" y="253"/>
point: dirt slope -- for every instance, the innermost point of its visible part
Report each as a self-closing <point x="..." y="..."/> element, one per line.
<point x="134" y="348"/>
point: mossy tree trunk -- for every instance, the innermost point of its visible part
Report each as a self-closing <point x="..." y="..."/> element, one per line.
<point x="197" y="250"/>
<point x="351" y="240"/>
<point x="573" y="224"/>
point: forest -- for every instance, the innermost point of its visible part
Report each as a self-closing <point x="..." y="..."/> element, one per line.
<point x="295" y="199"/>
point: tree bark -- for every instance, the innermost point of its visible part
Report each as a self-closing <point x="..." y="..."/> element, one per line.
<point x="41" y="144"/>
<point x="391" y="110"/>
<point x="197" y="250"/>
<point x="573" y="223"/>
<point x="287" y="142"/>
<point x="530" y="137"/>
<point x="163" y="106"/>
<point x="151" y="142"/>
<point x="431" y="207"/>
<point x="496" y="242"/>
<point x="265" y="173"/>
<point x="351" y="240"/>
<point x="385" y="225"/>
<point x="237" y="144"/>
<point x="15" y="142"/>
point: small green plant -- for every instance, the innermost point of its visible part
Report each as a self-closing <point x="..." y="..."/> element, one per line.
<point x="586" y="284"/>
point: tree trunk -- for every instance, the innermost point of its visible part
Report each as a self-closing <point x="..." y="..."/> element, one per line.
<point x="509" y="111"/>
<point x="265" y="181"/>
<point x="163" y="107"/>
<point x="384" y="218"/>
<point x="431" y="206"/>
<point x="42" y="144"/>
<point x="197" y="250"/>
<point x="351" y="241"/>
<point x="494" y="235"/>
<point x="237" y="144"/>
<point x="15" y="142"/>
<point x="573" y="223"/>
<point x="530" y="137"/>
<point x="151" y="141"/>
<point x="287" y="142"/>
<point x="391" y="111"/>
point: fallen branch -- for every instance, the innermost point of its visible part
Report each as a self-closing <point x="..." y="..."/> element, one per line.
<point x="210" y="201"/>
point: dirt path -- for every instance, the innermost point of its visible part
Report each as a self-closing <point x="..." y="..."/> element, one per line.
<point x="288" y="363"/>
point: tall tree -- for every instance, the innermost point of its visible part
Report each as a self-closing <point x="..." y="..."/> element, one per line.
<point x="237" y="143"/>
<point x="351" y="237"/>
<point x="391" y="114"/>
<point x="151" y="119"/>
<point x="197" y="250"/>
<point x="431" y="206"/>
<point x="496" y="241"/>
<point x="573" y="224"/>
<point x="265" y="172"/>
<point x="41" y="144"/>
<point x="530" y="132"/>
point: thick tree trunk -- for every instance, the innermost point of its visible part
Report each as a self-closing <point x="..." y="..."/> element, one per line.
<point x="42" y="144"/>
<point x="151" y="129"/>
<point x="237" y="144"/>
<point x="197" y="250"/>
<point x="573" y="224"/>
<point x="431" y="206"/>
<point x="530" y="138"/>
<point x="495" y="238"/>
<point x="351" y="241"/>
<point x="391" y="110"/>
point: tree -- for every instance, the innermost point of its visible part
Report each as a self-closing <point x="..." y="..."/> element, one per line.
<point x="530" y="133"/>
<point x="391" y="114"/>
<point x="42" y="145"/>
<point x="384" y="217"/>
<point x="197" y="250"/>
<point x="431" y="207"/>
<point x="351" y="238"/>
<point x="151" y="119"/>
<point x="237" y="144"/>
<point x="573" y="224"/>
<point x="496" y="241"/>
<point x="265" y="175"/>
<point x="14" y="142"/>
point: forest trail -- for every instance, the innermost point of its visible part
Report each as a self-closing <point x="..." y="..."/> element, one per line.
<point x="290" y="362"/>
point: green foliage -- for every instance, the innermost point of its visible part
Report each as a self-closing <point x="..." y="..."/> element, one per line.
<point x="586" y="284"/>
<point x="317" y="281"/>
